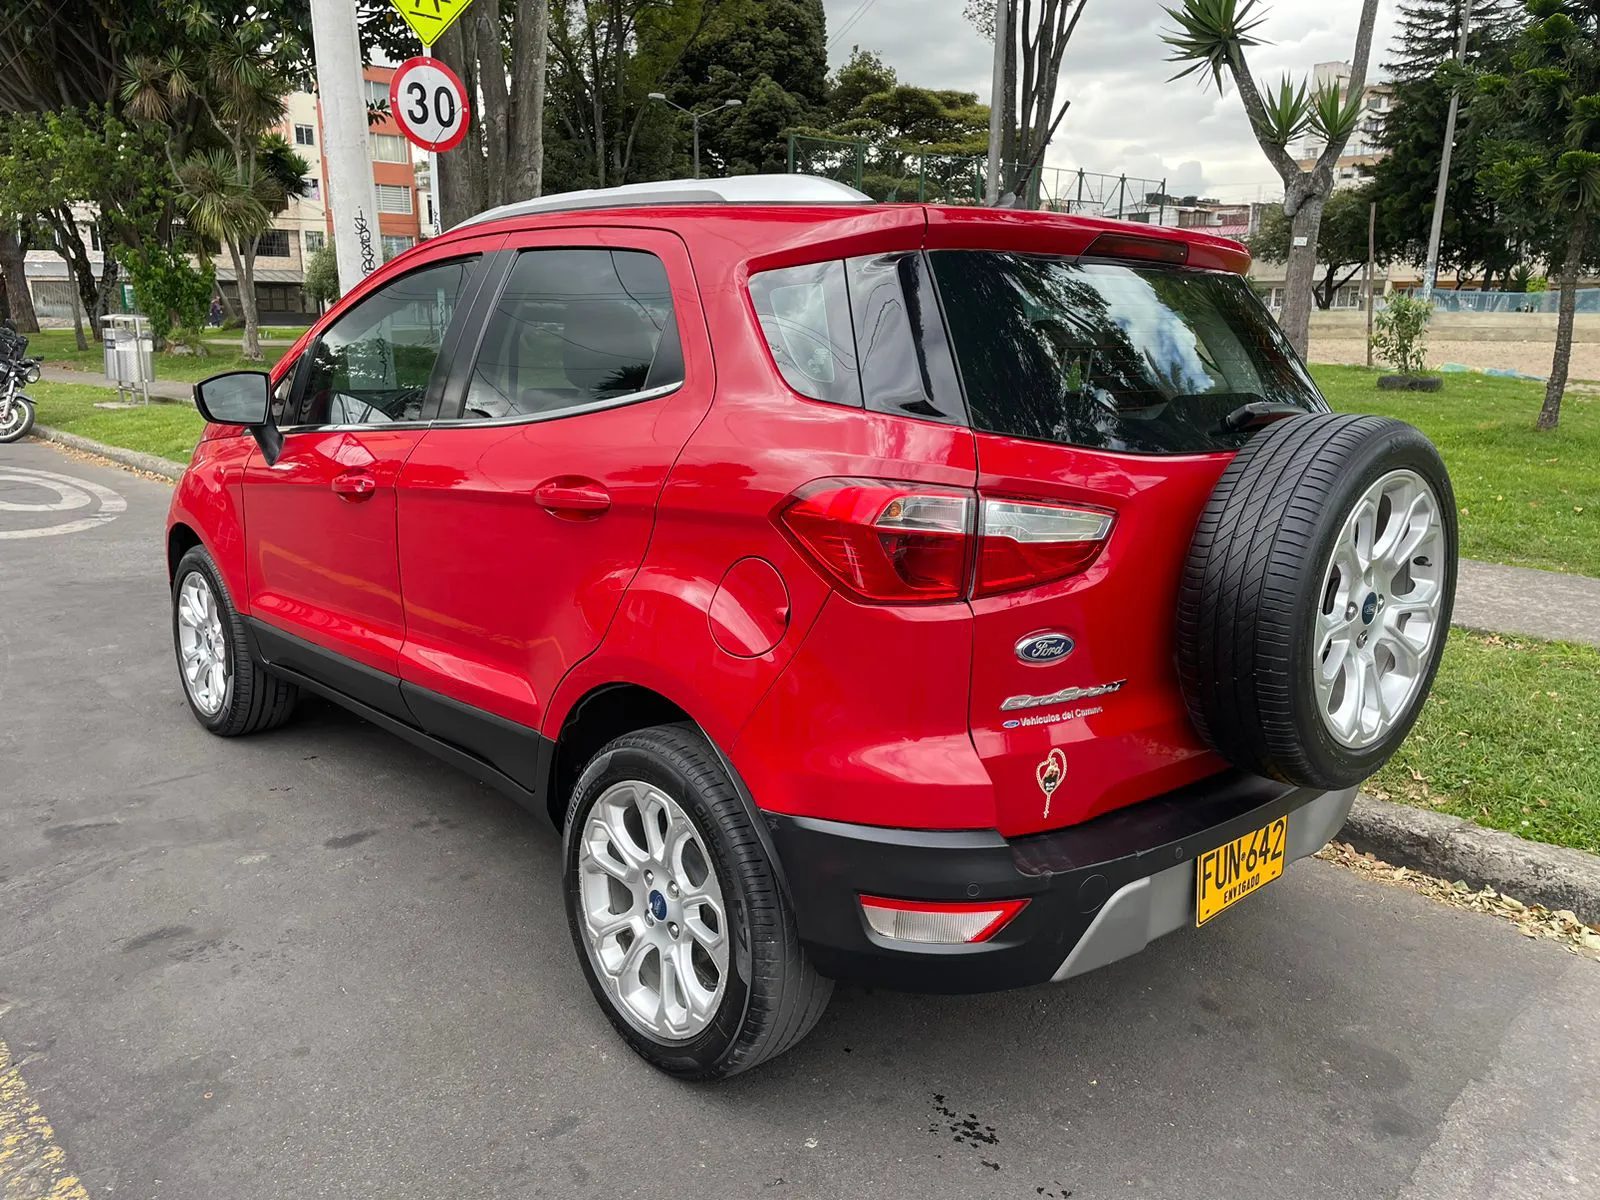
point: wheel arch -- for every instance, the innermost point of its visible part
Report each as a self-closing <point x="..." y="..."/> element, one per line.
<point x="181" y="538"/>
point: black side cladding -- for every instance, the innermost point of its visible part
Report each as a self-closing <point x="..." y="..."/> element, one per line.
<point x="1251" y="590"/>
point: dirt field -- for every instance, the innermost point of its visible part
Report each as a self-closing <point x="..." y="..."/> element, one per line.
<point x="1532" y="357"/>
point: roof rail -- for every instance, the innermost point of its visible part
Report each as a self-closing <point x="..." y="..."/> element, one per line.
<point x="737" y="189"/>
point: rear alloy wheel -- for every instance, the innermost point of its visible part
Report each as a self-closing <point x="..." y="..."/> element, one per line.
<point x="680" y="925"/>
<point x="1316" y="598"/>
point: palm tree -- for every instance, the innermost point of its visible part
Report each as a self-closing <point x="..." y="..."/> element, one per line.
<point x="1211" y="35"/>
<point x="232" y="190"/>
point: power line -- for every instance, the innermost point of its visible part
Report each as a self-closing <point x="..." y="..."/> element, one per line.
<point x="849" y="22"/>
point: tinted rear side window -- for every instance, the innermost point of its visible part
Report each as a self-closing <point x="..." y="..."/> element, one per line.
<point x="1147" y="360"/>
<point x="805" y="315"/>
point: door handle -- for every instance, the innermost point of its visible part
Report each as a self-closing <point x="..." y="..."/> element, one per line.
<point x="354" y="485"/>
<point x="574" y="499"/>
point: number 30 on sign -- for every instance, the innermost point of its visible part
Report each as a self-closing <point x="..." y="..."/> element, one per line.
<point x="429" y="104"/>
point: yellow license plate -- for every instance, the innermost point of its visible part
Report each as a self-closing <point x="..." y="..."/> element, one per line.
<point x="1231" y="872"/>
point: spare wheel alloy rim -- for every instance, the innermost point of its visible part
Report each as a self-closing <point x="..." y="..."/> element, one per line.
<point x="651" y="911"/>
<point x="1378" y="621"/>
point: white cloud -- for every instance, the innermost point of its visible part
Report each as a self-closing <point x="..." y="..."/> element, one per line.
<point x="1126" y="117"/>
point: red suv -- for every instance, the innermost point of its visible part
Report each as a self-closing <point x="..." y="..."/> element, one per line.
<point x="944" y="598"/>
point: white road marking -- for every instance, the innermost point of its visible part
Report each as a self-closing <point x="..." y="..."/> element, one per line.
<point x="72" y="493"/>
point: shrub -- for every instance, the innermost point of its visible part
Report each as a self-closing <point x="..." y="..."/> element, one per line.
<point x="166" y="288"/>
<point x="1401" y="339"/>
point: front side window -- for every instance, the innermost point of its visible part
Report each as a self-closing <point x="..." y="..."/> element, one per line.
<point x="373" y="364"/>
<point x="574" y="328"/>
<point x="1113" y="356"/>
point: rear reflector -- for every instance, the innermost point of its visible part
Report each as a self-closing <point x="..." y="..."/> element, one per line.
<point x="938" y="923"/>
<point x="1025" y="544"/>
<point x="1143" y="249"/>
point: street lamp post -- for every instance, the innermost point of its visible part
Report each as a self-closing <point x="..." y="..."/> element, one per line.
<point x="696" y="117"/>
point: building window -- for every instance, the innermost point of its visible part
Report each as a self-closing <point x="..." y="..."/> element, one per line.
<point x="396" y="244"/>
<point x="394" y="198"/>
<point x="315" y="240"/>
<point x="274" y="243"/>
<point x="386" y="147"/>
<point x="305" y="135"/>
<point x="378" y="92"/>
<point x="314" y="190"/>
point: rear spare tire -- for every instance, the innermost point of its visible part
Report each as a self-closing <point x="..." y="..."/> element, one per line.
<point x="1316" y="597"/>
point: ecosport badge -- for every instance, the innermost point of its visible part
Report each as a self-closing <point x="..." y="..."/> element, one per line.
<point x="1050" y="773"/>
<point x="1064" y="696"/>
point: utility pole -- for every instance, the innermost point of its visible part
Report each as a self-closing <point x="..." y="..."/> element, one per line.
<point x="1431" y="272"/>
<point x="1372" y="254"/>
<point x="997" y="106"/>
<point x="352" y="196"/>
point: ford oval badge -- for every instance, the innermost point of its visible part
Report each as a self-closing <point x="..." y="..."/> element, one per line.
<point x="1039" y="648"/>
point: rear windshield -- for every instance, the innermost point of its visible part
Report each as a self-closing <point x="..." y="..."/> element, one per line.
<point x="1147" y="360"/>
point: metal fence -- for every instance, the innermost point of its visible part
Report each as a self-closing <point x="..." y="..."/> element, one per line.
<point x="1512" y="302"/>
<point x="892" y="172"/>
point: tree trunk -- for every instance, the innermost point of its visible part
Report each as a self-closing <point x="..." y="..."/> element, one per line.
<point x="72" y="250"/>
<point x="1577" y="243"/>
<point x="244" y="270"/>
<point x="530" y="51"/>
<point x="458" y="196"/>
<point x="1300" y="277"/>
<point x="496" y="101"/>
<point x="13" y="265"/>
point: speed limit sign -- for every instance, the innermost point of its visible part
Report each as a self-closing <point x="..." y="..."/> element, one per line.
<point x="429" y="104"/>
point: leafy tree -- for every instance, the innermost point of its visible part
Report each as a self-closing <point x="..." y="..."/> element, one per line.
<point x="230" y="193"/>
<point x="170" y="291"/>
<point x="771" y="55"/>
<point x="1544" y="156"/>
<point x="1341" y="240"/>
<point x="1212" y="36"/>
<point x="322" y="276"/>
<point x="1473" y="233"/>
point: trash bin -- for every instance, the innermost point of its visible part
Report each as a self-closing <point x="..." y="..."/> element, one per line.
<point x="129" y="350"/>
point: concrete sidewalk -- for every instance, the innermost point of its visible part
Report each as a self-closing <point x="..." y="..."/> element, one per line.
<point x="164" y="389"/>
<point x="1544" y="604"/>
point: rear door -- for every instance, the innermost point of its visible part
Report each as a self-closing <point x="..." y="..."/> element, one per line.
<point x="1095" y="388"/>
<point x="525" y="511"/>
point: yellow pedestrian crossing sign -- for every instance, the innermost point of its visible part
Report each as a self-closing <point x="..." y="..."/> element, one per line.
<point x="429" y="18"/>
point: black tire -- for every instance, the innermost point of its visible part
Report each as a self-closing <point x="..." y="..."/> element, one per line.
<point x="19" y="430"/>
<point x="1252" y="590"/>
<point x="772" y="995"/>
<point x="254" y="700"/>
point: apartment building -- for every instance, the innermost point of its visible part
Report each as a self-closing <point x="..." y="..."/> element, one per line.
<point x="1364" y="149"/>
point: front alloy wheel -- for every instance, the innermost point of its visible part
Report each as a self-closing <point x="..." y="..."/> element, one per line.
<point x="202" y="645"/>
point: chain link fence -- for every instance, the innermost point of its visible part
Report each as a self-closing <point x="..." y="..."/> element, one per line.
<point x="906" y="173"/>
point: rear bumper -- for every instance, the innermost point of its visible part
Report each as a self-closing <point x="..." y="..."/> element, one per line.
<point x="1097" y="892"/>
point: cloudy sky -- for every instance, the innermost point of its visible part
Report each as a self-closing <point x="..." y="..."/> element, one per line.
<point x="1125" y="116"/>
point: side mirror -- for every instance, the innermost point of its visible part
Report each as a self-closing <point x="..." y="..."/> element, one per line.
<point x="242" y="398"/>
<point x="234" y="398"/>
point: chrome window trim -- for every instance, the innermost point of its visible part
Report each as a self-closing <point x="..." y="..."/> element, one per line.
<point x="288" y="429"/>
<point x="576" y="410"/>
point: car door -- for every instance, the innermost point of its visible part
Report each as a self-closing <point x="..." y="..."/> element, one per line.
<point x="320" y="521"/>
<point x="526" y="509"/>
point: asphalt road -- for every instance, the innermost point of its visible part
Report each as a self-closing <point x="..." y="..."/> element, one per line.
<point x="317" y="963"/>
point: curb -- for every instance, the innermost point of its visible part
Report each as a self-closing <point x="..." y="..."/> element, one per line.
<point x="151" y="464"/>
<point x="1454" y="849"/>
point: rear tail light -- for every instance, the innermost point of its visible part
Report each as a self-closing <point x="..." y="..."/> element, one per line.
<point x="888" y="542"/>
<point x="938" y="923"/>
<point x="898" y="543"/>
<point x="1026" y="544"/>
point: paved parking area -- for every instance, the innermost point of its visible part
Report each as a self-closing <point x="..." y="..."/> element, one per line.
<point x="317" y="963"/>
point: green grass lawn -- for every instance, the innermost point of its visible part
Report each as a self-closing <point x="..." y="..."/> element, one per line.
<point x="1508" y="740"/>
<point x="1526" y="498"/>
<point x="56" y="347"/>
<point x="168" y="430"/>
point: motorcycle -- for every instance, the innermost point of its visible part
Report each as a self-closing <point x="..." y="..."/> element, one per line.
<point x="17" y="370"/>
